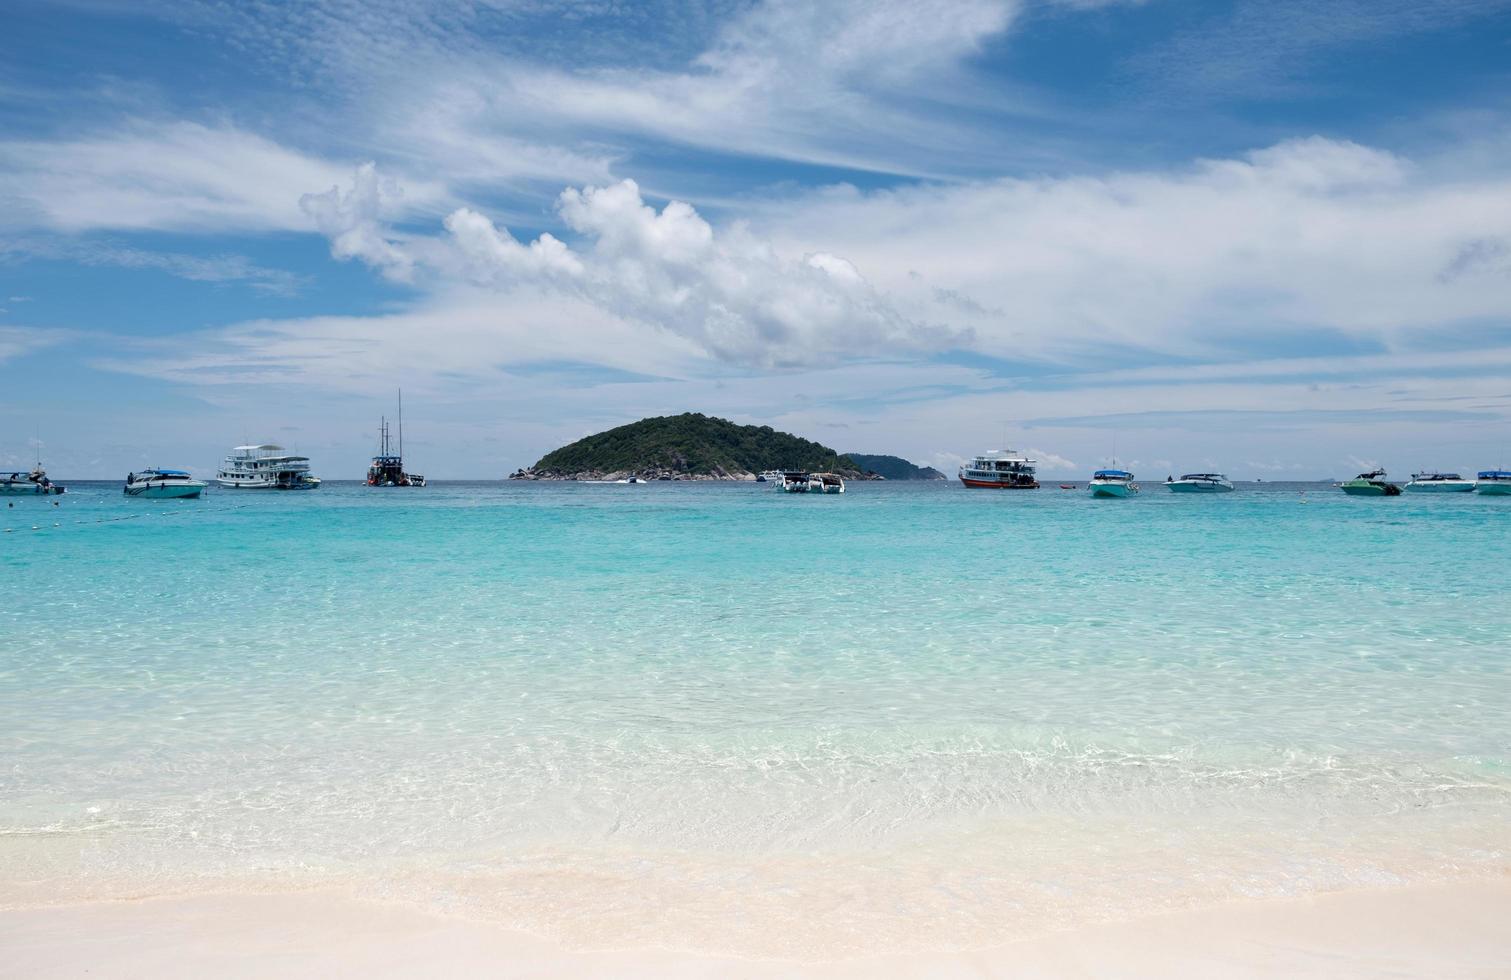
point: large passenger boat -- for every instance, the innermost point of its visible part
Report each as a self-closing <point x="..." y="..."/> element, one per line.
<point x="265" y="467"/>
<point x="1000" y="470"/>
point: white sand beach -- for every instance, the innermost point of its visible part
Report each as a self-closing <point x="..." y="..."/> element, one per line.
<point x="1442" y="931"/>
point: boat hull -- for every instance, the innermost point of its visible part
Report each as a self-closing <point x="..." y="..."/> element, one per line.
<point x="1368" y="491"/>
<point x="1457" y="486"/>
<point x="1110" y="490"/>
<point x="1497" y="489"/>
<point x="230" y="485"/>
<point x="169" y="492"/>
<point x="1188" y="487"/>
<point x="27" y="489"/>
<point x="996" y="484"/>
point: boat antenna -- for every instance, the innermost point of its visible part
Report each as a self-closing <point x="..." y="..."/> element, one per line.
<point x="401" y="423"/>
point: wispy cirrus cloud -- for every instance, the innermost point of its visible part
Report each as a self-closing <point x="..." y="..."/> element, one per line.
<point x="213" y="268"/>
<point x="151" y="175"/>
<point x="1264" y="49"/>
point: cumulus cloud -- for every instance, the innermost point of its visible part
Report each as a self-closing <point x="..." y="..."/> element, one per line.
<point x="730" y="292"/>
<point x="353" y="220"/>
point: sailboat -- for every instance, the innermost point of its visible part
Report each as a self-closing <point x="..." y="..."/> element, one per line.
<point x="387" y="469"/>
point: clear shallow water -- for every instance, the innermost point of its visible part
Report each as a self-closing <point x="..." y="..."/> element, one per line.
<point x="716" y="716"/>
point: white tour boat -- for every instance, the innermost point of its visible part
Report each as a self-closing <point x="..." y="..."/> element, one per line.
<point x="1112" y="483"/>
<point x="265" y="467"/>
<point x="769" y="476"/>
<point x="831" y="483"/>
<point x="1435" y="482"/>
<point x="158" y="484"/>
<point x="1000" y="470"/>
<point x="799" y="481"/>
<point x="1494" y="483"/>
<point x="1201" y="483"/>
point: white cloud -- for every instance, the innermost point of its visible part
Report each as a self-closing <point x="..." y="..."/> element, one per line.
<point x="1303" y="235"/>
<point x="219" y="268"/>
<point x="729" y="292"/>
<point x="159" y="175"/>
<point x="18" y="341"/>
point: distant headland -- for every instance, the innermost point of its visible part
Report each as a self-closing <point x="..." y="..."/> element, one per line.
<point x="693" y="446"/>
<point x="895" y="467"/>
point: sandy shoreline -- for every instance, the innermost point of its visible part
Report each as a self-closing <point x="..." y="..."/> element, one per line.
<point x="1451" y="930"/>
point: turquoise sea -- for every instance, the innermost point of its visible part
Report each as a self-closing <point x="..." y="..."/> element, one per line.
<point x="718" y="717"/>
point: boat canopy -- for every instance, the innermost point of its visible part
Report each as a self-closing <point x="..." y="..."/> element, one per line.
<point x="1203" y="476"/>
<point x="1495" y="475"/>
<point x="267" y="447"/>
<point x="1112" y="473"/>
<point x="166" y="472"/>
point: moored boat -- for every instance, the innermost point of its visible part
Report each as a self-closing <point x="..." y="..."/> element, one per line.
<point x="1435" y="482"/>
<point x="387" y="469"/>
<point x="1371" y="484"/>
<point x="1000" y="470"/>
<point x="769" y="476"/>
<point x="1200" y="483"/>
<point x="831" y="483"/>
<point x="265" y="467"/>
<point x="1494" y="483"/>
<point x="156" y="484"/>
<point x="1112" y="483"/>
<point x="797" y="481"/>
<point x="32" y="483"/>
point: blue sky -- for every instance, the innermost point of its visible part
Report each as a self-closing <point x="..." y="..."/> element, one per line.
<point x="1272" y="238"/>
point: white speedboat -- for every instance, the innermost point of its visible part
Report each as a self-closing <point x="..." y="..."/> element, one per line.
<point x="1435" y="482"/>
<point x="265" y="467"/>
<point x="1000" y="470"/>
<point x="831" y="483"/>
<point x="1112" y="483"/>
<point x="158" y="484"/>
<point x="769" y="476"/>
<point x="1201" y="483"/>
<point x="1494" y="483"/>
<point x="34" y="482"/>
<point x="797" y="481"/>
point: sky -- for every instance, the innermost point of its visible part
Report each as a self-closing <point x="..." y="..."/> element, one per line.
<point x="1265" y="237"/>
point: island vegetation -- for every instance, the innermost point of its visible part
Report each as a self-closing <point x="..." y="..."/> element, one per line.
<point x="895" y="467"/>
<point x="690" y="446"/>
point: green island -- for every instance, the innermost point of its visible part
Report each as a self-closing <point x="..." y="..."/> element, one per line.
<point x="895" y="467"/>
<point x="690" y="446"/>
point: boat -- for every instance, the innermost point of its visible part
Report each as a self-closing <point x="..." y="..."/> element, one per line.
<point x="1200" y="483"/>
<point x="157" y="484"/>
<point x="387" y="469"/>
<point x="1371" y="484"/>
<point x="798" y="481"/>
<point x="1494" y="483"/>
<point x="769" y="476"/>
<point x="1112" y="483"/>
<point x="831" y="483"/>
<point x="1435" y="482"/>
<point x="1000" y="470"/>
<point x="32" y="483"/>
<point x="265" y="467"/>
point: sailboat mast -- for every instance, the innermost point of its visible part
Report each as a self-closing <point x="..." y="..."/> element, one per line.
<point x="401" y="423"/>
